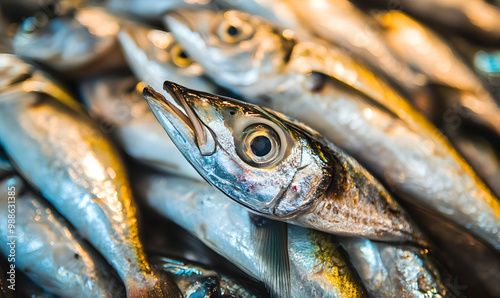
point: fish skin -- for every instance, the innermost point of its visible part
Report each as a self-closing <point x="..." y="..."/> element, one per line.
<point x="362" y="115"/>
<point x="85" y="182"/>
<point x="389" y="270"/>
<point x="478" y="19"/>
<point x="438" y="60"/>
<point x="50" y="251"/>
<point x="117" y="101"/>
<point x="363" y="39"/>
<point x="77" y="45"/>
<point x="196" y="279"/>
<point x="309" y="181"/>
<point x="226" y="227"/>
<point x="475" y="266"/>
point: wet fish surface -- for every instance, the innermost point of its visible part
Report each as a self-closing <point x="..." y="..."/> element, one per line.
<point x="347" y="104"/>
<point x="116" y="101"/>
<point x="316" y="267"/>
<point x="49" y="250"/>
<point x="59" y="150"/>
<point x="278" y="167"/>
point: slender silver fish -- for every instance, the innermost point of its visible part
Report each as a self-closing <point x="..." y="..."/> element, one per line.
<point x="49" y="250"/>
<point x="477" y="18"/>
<point x="198" y="281"/>
<point x="475" y="266"/>
<point x="278" y="167"/>
<point x="58" y="149"/>
<point x="347" y="104"/>
<point x="422" y="48"/>
<point x="389" y="270"/>
<point x="363" y="39"/>
<point x="78" y="45"/>
<point x="117" y="102"/>
<point x="295" y="260"/>
<point x="151" y="9"/>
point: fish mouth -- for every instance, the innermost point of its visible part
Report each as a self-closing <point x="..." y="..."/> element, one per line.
<point x="187" y="116"/>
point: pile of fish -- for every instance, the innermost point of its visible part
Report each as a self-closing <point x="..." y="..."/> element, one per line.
<point x="257" y="148"/>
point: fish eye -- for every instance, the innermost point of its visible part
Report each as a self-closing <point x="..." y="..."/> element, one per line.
<point x="234" y="32"/>
<point x="260" y="145"/>
<point x="179" y="56"/>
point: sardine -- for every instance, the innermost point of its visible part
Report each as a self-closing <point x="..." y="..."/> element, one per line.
<point x="59" y="150"/>
<point x="389" y="270"/>
<point x="313" y="264"/>
<point x="329" y="20"/>
<point x="83" y="44"/>
<point x="151" y="10"/>
<point x="480" y="150"/>
<point x="278" y="167"/>
<point x="154" y="56"/>
<point x="117" y="103"/>
<point x="420" y="47"/>
<point x="476" y="18"/>
<point x="49" y="250"/>
<point x="196" y="280"/>
<point x="347" y="104"/>
<point x="476" y="267"/>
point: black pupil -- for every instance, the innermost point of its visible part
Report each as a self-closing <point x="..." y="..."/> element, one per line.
<point x="231" y="30"/>
<point x="183" y="55"/>
<point x="261" y="146"/>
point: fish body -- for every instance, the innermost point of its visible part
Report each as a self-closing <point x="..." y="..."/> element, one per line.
<point x="198" y="281"/>
<point x="49" y="250"/>
<point x="70" y="44"/>
<point x="347" y="104"/>
<point x="389" y="270"/>
<point x="151" y="10"/>
<point x="476" y="18"/>
<point x="278" y="167"/>
<point x="420" y="47"/>
<point x="59" y="150"/>
<point x="117" y="102"/>
<point x="316" y="267"/>
<point x="363" y="39"/>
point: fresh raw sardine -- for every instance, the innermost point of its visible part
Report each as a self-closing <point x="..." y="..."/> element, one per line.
<point x="308" y="263"/>
<point x="347" y="104"/>
<point x="389" y="270"/>
<point x="49" y="250"/>
<point x="58" y="149"/>
<point x="83" y="44"/>
<point x="278" y="167"/>
<point x="423" y="49"/>
<point x="117" y="102"/>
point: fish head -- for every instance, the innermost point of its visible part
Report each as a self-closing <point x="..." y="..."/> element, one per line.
<point x="233" y="47"/>
<point x="154" y="53"/>
<point x="257" y="157"/>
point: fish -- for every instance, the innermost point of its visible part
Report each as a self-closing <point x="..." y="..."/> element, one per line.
<point x="154" y="55"/>
<point x="49" y="250"/>
<point x="78" y="46"/>
<point x="347" y="104"/>
<point x="389" y="270"/>
<point x="423" y="49"/>
<point x="116" y="102"/>
<point x="289" y="259"/>
<point x="363" y="40"/>
<point x="278" y="167"/>
<point x="475" y="265"/>
<point x="195" y="280"/>
<point x="151" y="10"/>
<point x="61" y="152"/>
<point x="476" y="19"/>
<point x="481" y="150"/>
